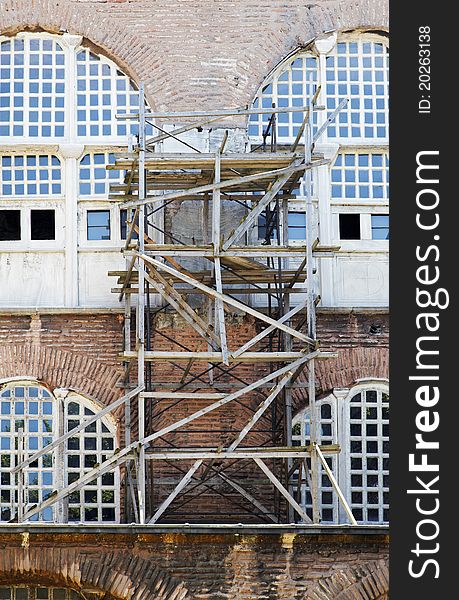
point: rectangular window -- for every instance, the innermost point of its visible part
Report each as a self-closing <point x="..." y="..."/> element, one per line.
<point x="296" y="226"/>
<point x="42" y="225"/>
<point x="98" y="224"/>
<point x="380" y="227"/>
<point x="124" y="226"/>
<point x="349" y="226"/>
<point x="10" y="225"/>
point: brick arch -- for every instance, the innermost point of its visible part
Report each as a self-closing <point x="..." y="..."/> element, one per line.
<point x="350" y="365"/>
<point x="369" y="581"/>
<point x="101" y="30"/>
<point x="194" y="57"/>
<point x="118" y="574"/>
<point x="60" y="368"/>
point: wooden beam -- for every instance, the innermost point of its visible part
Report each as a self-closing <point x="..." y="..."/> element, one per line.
<point x="60" y="440"/>
<point x="235" y="303"/>
<point x="181" y="485"/>
<point x="267" y="331"/>
<point x="225" y="184"/>
<point x="334" y="483"/>
<point x="214" y="357"/>
<point x="253" y="215"/>
<point x="273" y="479"/>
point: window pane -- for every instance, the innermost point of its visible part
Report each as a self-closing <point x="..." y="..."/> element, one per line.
<point x="380" y="227"/>
<point x="102" y="92"/>
<point x="98" y="224"/>
<point x="10" y="225"/>
<point x="42" y="225"/>
<point x="293" y="86"/>
<point x="349" y="226"/>
<point x="124" y="226"/>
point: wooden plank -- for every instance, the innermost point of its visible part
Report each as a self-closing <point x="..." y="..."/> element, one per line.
<point x="260" y="411"/>
<point x="181" y="485"/>
<point x="333" y="481"/>
<point x="173" y="297"/>
<point x="237" y="181"/>
<point x="213" y="357"/>
<point x="270" y="475"/>
<point x="85" y="423"/>
<point x="267" y="331"/>
<point x="253" y="215"/>
<point x="230" y="301"/>
<point x="230" y="112"/>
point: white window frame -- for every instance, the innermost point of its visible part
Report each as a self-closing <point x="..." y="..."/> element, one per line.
<point x="61" y="398"/>
<point x="328" y="208"/>
<point x="71" y="239"/>
<point x="340" y="401"/>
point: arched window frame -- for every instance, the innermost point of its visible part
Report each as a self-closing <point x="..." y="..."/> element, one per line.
<point x="79" y="264"/>
<point x="340" y="464"/>
<point x="372" y="212"/>
<point x="61" y="468"/>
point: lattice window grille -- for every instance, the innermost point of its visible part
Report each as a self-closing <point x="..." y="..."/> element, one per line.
<point x="360" y="176"/>
<point x="368" y="461"/>
<point x="32" y="88"/>
<point x="30" y="175"/>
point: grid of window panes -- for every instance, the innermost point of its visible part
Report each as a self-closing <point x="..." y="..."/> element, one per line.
<point x="30" y="175"/>
<point x="32" y="87"/>
<point x="292" y="87"/>
<point x="358" y="70"/>
<point x="327" y="435"/>
<point x="42" y="593"/>
<point x="30" y="408"/>
<point x="95" y="179"/>
<point x="33" y="409"/>
<point x="360" y="176"/>
<point x="369" y="456"/>
<point x="103" y="91"/>
<point x="96" y="502"/>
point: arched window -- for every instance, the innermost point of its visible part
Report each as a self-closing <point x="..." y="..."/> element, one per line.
<point x="31" y="418"/>
<point x="29" y="592"/>
<point x="358" y="421"/>
<point x="59" y="102"/>
<point x="352" y="66"/>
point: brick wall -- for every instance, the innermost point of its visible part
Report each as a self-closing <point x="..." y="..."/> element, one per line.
<point x="81" y="351"/>
<point x="169" y="565"/>
<point x="195" y="54"/>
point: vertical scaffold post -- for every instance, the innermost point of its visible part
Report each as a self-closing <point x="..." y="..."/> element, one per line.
<point x="311" y="316"/>
<point x="141" y="310"/>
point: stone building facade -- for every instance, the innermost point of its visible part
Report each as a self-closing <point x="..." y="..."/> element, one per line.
<point x="61" y="330"/>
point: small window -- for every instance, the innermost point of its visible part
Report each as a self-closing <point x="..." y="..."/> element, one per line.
<point x="349" y="226"/>
<point x="98" y="224"/>
<point x="42" y="225"/>
<point x="124" y="227"/>
<point x="296" y="226"/>
<point x="10" y="225"/>
<point x="380" y="227"/>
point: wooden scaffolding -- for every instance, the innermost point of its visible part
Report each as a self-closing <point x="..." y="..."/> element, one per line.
<point x="229" y="274"/>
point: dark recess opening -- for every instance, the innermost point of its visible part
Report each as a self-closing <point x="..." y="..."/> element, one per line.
<point x="10" y="225"/>
<point x="42" y="225"/>
<point x="349" y="227"/>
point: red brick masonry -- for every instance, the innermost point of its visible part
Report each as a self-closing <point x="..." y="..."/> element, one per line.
<point x="208" y="565"/>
